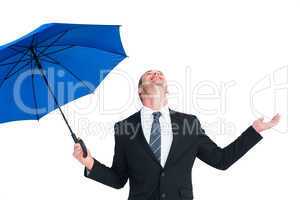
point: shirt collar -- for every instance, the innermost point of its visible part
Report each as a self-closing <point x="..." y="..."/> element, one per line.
<point x="148" y="111"/>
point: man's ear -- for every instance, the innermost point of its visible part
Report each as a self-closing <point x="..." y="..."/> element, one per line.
<point x="140" y="90"/>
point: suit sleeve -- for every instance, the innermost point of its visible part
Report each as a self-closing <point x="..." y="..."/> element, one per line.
<point x="223" y="158"/>
<point x="115" y="176"/>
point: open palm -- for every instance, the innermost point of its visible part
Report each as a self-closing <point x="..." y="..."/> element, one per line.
<point x="259" y="125"/>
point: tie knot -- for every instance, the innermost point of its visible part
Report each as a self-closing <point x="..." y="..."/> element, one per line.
<point x="156" y="115"/>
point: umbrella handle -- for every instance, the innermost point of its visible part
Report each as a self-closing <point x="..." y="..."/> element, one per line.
<point x="84" y="149"/>
<point x="79" y="141"/>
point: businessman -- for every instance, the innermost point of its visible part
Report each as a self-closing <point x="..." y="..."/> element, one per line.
<point x="155" y="148"/>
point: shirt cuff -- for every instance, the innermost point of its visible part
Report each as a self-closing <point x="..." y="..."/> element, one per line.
<point x="87" y="171"/>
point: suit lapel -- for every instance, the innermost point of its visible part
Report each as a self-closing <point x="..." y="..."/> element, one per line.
<point x="142" y="140"/>
<point x="176" y="146"/>
<point x="176" y="130"/>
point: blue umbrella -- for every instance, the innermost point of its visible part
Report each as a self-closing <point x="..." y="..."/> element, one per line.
<point x="53" y="65"/>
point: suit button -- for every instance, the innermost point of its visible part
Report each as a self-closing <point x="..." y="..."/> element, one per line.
<point x="163" y="195"/>
<point x="163" y="174"/>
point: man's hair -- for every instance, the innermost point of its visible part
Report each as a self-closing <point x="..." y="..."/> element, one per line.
<point x="140" y="85"/>
<point x="140" y="81"/>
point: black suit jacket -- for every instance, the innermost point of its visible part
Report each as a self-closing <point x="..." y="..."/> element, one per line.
<point x="148" y="180"/>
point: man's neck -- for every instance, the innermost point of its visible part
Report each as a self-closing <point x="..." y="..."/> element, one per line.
<point x="155" y="103"/>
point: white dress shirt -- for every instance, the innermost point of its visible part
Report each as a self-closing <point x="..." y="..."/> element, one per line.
<point x="165" y="126"/>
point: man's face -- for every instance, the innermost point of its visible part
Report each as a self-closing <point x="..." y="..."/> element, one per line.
<point x="153" y="79"/>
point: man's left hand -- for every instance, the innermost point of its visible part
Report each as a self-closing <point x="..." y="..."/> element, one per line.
<point x="259" y="125"/>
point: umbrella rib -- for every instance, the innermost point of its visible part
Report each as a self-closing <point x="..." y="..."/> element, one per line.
<point x="11" y="69"/>
<point x="43" y="59"/>
<point x="25" y="51"/>
<point x="41" y="42"/>
<point x="33" y="92"/>
<point x="21" y="46"/>
<point x="20" y="51"/>
<point x="56" y="51"/>
<point x="99" y="49"/>
<point x="53" y="42"/>
<point x="61" y="45"/>
<point x="1" y="65"/>
<point x="18" y="70"/>
<point x="52" y="59"/>
<point x="12" y="55"/>
<point x="17" y="50"/>
<point x="24" y="47"/>
<point x="74" y="75"/>
<point x="70" y="46"/>
<point x="45" y="56"/>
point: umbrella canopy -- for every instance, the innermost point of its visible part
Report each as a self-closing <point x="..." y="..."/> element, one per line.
<point x="53" y="65"/>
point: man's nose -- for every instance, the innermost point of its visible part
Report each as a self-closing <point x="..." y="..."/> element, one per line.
<point x="156" y="73"/>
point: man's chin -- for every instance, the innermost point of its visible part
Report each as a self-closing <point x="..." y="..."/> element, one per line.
<point x="158" y="82"/>
<point x="159" y="85"/>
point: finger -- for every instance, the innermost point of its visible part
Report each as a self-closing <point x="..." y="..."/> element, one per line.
<point x="78" y="151"/>
<point x="78" y="155"/>
<point x="271" y="124"/>
<point x="78" y="148"/>
<point x="277" y="117"/>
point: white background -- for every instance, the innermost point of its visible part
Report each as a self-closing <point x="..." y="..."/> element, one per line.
<point x="200" y="46"/>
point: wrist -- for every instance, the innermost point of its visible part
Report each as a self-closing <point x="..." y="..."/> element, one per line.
<point x="89" y="163"/>
<point x="256" y="129"/>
